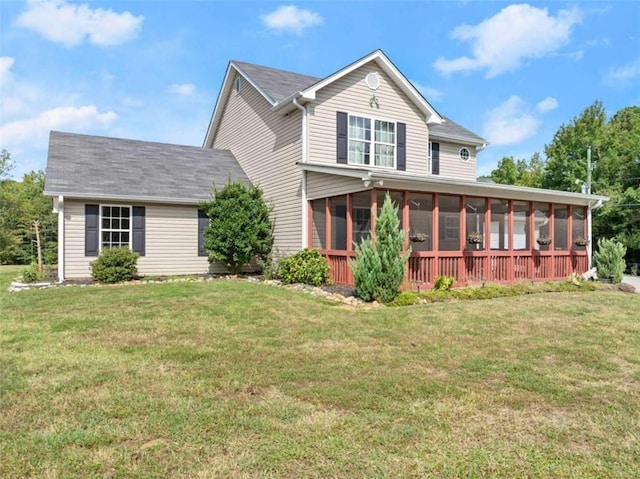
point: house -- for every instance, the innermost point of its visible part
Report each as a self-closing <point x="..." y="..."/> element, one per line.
<point x="325" y="151"/>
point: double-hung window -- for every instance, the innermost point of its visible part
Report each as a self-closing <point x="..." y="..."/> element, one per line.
<point x="116" y="226"/>
<point x="363" y="144"/>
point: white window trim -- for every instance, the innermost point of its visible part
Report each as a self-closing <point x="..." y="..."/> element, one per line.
<point x="460" y="154"/>
<point x="237" y="84"/>
<point x="372" y="142"/>
<point x="100" y="229"/>
<point x="429" y="159"/>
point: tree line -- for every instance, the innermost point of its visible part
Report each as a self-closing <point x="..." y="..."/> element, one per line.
<point x="21" y="204"/>
<point x="615" y="150"/>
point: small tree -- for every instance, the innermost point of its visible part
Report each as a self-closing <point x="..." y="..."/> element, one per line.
<point x="379" y="267"/>
<point x="609" y="259"/>
<point x="239" y="225"/>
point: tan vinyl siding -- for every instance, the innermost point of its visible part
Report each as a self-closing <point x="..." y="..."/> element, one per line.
<point x="320" y="185"/>
<point x="351" y="94"/>
<point x="171" y="241"/>
<point x="267" y="145"/>
<point x="451" y="166"/>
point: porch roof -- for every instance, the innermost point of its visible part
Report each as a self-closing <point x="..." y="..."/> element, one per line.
<point x="405" y="181"/>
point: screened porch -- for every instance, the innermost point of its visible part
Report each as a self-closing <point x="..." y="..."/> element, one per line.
<point x="474" y="239"/>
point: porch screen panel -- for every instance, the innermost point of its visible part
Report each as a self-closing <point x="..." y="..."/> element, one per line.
<point x="396" y="197"/>
<point x="499" y="225"/>
<point x="541" y="214"/>
<point x="475" y="230"/>
<point x="360" y="216"/>
<point x="319" y="224"/>
<point x="521" y="236"/>
<point x="578" y="215"/>
<point x="449" y="223"/>
<point x="560" y="225"/>
<point x="339" y="223"/>
<point x="420" y="222"/>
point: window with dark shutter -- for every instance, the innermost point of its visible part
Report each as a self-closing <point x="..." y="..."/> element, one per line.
<point x="401" y="152"/>
<point x="91" y="230"/>
<point x="435" y="158"/>
<point x="138" y="224"/>
<point x="203" y="222"/>
<point x="342" y="135"/>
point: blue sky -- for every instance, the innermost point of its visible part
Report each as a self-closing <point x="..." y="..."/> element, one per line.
<point x="151" y="70"/>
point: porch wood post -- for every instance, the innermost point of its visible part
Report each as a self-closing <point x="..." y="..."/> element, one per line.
<point x="327" y="223"/>
<point x="374" y="211"/>
<point x="511" y="269"/>
<point x="463" y="238"/>
<point x="531" y="239"/>
<point x="552" y="233"/>
<point x="405" y="218"/>
<point x="435" y="220"/>
<point x="349" y="222"/>
<point x="487" y="242"/>
<point x="309" y="225"/>
<point x="570" y="236"/>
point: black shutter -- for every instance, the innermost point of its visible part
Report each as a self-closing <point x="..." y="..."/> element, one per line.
<point x="401" y="153"/>
<point x="435" y="158"/>
<point x="203" y="222"/>
<point x="138" y="230"/>
<point x="91" y="230"/>
<point x="342" y="134"/>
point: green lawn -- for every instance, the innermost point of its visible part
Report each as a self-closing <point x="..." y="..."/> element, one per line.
<point x="233" y="379"/>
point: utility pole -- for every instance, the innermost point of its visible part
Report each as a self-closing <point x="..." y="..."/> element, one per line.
<point x="589" y="235"/>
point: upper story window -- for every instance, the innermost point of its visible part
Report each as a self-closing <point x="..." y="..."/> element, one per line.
<point x="237" y="84"/>
<point x="363" y="144"/>
<point x="464" y="154"/>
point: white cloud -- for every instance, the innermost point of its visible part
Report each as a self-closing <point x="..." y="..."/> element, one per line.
<point x="510" y="122"/>
<point x="431" y="94"/>
<point x="71" y="24"/>
<point x="5" y="65"/>
<point x="547" y="104"/>
<point x="518" y="32"/>
<point x="76" y="118"/>
<point x="291" y="19"/>
<point x="625" y="74"/>
<point x="182" y="89"/>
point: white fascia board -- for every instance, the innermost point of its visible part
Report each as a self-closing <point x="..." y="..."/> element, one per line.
<point x="126" y="198"/>
<point x="457" y="139"/>
<point x="451" y="186"/>
<point x="431" y="115"/>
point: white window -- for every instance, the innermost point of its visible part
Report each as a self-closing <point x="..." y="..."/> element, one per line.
<point x="382" y="142"/>
<point x="115" y="227"/>
<point x="464" y="154"/>
<point x="451" y="227"/>
<point x="237" y="84"/>
<point x="429" y="159"/>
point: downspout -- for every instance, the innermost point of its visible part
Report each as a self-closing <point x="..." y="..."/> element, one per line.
<point x="58" y="207"/>
<point x="305" y="209"/>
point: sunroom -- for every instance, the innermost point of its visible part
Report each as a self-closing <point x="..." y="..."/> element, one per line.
<point x="476" y="232"/>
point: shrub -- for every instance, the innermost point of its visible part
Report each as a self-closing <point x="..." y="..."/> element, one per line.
<point x="270" y="265"/>
<point x="239" y="226"/>
<point x="405" y="298"/>
<point x="443" y="283"/>
<point x="31" y="274"/>
<point x="609" y="259"/>
<point x="115" y="265"/>
<point x="379" y="267"/>
<point x="306" y="266"/>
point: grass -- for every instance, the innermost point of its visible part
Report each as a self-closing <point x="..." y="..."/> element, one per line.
<point x="235" y="379"/>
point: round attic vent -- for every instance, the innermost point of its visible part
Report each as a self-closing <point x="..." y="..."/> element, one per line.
<point x="373" y="81"/>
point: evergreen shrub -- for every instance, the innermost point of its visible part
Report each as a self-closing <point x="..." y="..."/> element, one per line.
<point x="379" y="266"/>
<point x="609" y="259"/>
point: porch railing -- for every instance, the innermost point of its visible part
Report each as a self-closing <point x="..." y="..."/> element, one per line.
<point x="474" y="267"/>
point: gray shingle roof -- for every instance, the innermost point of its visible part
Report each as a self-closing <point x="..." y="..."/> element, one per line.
<point x="278" y="84"/>
<point x="85" y="166"/>
<point x="451" y="129"/>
